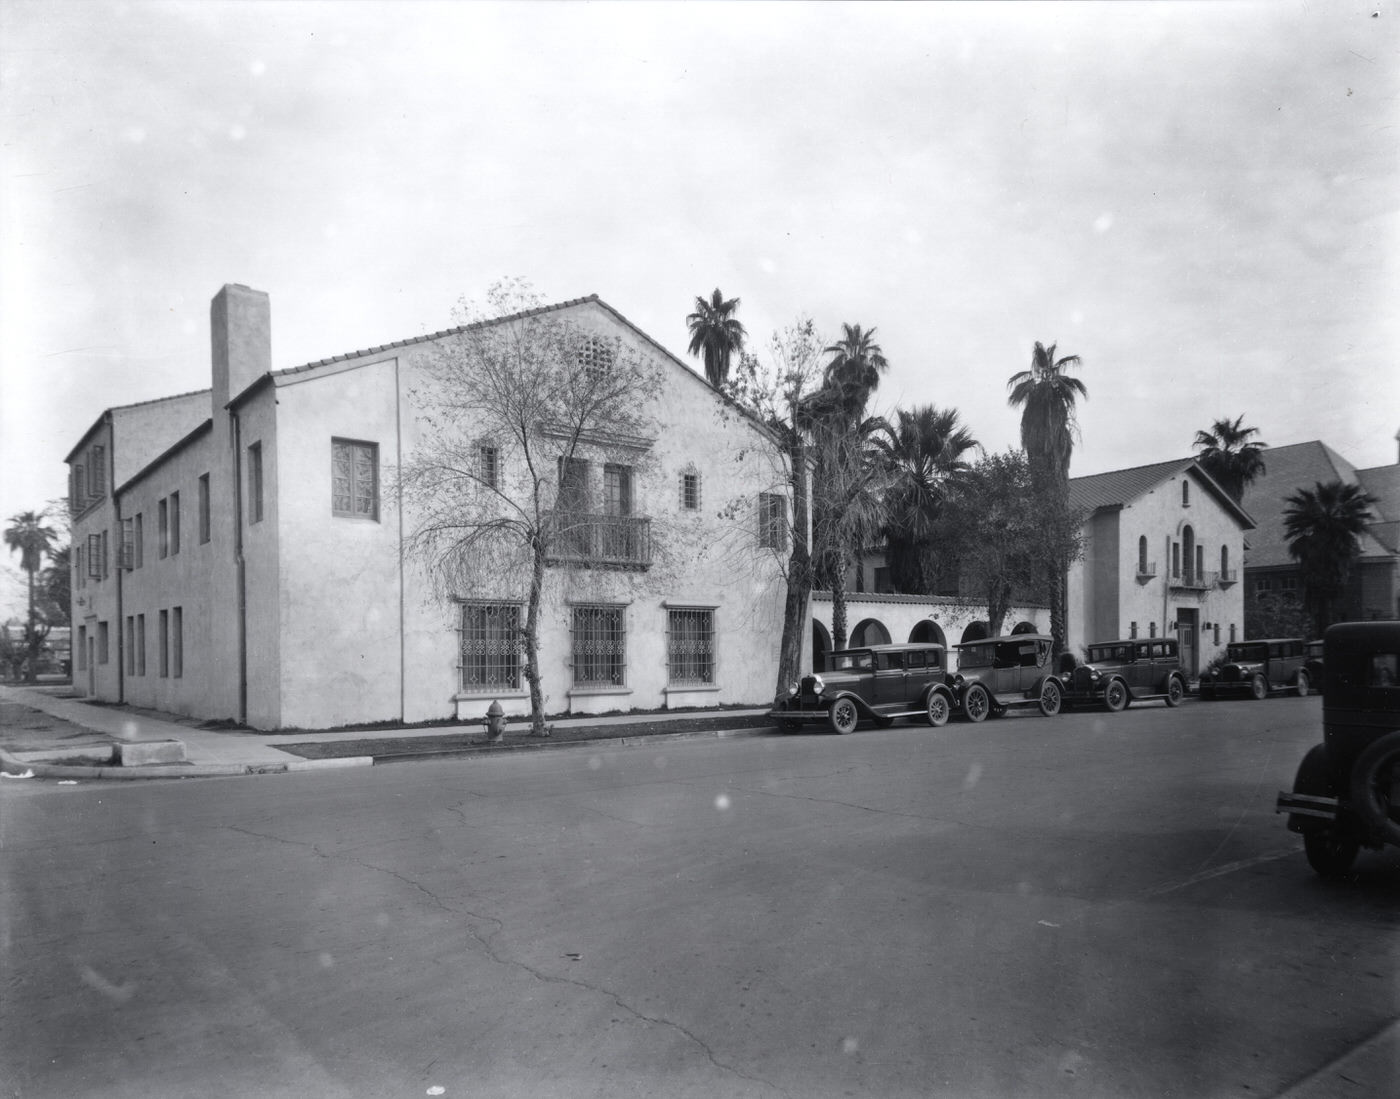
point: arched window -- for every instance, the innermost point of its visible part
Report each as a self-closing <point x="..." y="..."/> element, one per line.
<point x="1188" y="549"/>
<point x="1185" y="493"/>
<point x="1142" y="556"/>
<point x="1224" y="562"/>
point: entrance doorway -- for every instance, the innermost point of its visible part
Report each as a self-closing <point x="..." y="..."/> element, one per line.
<point x="1187" y="623"/>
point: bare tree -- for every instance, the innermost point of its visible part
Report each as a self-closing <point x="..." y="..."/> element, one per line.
<point x="510" y="405"/>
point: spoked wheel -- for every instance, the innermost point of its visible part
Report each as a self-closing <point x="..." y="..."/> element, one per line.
<point x="1176" y="691"/>
<point x="1258" y="688"/>
<point x="976" y="703"/>
<point x="1302" y="685"/>
<point x="843" y="716"/>
<point x="938" y="709"/>
<point x="1050" y="698"/>
<point x="1115" y="696"/>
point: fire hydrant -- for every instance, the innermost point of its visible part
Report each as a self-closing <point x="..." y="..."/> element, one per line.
<point x="495" y="721"/>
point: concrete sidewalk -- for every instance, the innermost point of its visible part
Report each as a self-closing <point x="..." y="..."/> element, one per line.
<point x="243" y="751"/>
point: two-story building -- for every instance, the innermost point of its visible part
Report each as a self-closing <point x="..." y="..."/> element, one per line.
<point x="1163" y="549"/>
<point x="242" y="552"/>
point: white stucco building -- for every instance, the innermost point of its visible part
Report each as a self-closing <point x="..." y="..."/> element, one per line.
<point x="1163" y="550"/>
<point x="240" y="552"/>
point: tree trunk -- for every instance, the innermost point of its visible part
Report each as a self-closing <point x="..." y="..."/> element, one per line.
<point x="31" y="674"/>
<point x="838" y="609"/>
<point x="799" y="581"/>
<point x="1058" y="607"/>
<point x="532" y="641"/>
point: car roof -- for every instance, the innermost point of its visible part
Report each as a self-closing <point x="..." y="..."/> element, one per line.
<point x="1357" y="635"/>
<point x="893" y="647"/>
<point x="1006" y="637"/>
<point x="1264" y="640"/>
<point x="1130" y="641"/>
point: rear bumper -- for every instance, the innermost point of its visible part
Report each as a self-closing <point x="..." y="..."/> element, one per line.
<point x="1307" y="805"/>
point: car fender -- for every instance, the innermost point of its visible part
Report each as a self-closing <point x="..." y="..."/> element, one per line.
<point x="861" y="705"/>
<point x="1039" y="685"/>
<point x="940" y="689"/>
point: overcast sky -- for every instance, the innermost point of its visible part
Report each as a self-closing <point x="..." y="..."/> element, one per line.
<point x="1200" y="199"/>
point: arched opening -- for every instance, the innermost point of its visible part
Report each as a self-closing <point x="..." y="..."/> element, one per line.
<point x="869" y="631"/>
<point x="1224" y="562"/>
<point x="821" y="645"/>
<point x="1185" y="493"/>
<point x="1142" y="556"/>
<point x="975" y="631"/>
<point x="928" y="631"/>
<point x="1025" y="627"/>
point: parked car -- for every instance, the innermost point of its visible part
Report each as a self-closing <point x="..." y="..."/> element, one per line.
<point x="876" y="683"/>
<point x="1256" y="668"/>
<point x="997" y="673"/>
<point x="1346" y="794"/>
<point x="1133" y="670"/>
<point x="1312" y="663"/>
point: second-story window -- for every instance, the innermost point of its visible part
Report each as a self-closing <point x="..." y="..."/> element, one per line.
<point x="489" y="465"/>
<point x="203" y="508"/>
<point x="690" y="491"/>
<point x="354" y="479"/>
<point x="139" y="541"/>
<point x="617" y="490"/>
<point x="163" y="528"/>
<point x="595" y="356"/>
<point x="255" y="483"/>
<point x="772" y="520"/>
<point x="174" y="523"/>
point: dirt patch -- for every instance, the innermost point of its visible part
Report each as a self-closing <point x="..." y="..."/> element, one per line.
<point x="25" y="729"/>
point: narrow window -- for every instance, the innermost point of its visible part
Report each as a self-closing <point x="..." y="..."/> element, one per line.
<point x="617" y="490"/>
<point x="1152" y="629"/>
<point x="126" y="553"/>
<point x="79" y="493"/>
<point x="489" y="459"/>
<point x="140" y="644"/>
<point x="772" y="520"/>
<point x="97" y="472"/>
<point x="354" y="479"/>
<point x="106" y="560"/>
<point x="102" y="643"/>
<point x="599" y="647"/>
<point x="203" y="508"/>
<point x="1200" y="564"/>
<point x="174" y="523"/>
<point x="94" y="556"/>
<point x="1142" y="556"/>
<point x="82" y="648"/>
<point x="1225" y="563"/>
<point x="1217" y="633"/>
<point x="1186" y="494"/>
<point x="1232" y="631"/>
<point x="491" y="647"/>
<point x="690" y="492"/>
<point x="163" y="528"/>
<point x="130" y="644"/>
<point x="164" y="643"/>
<point x="255" y="483"/>
<point x="140" y="540"/>
<point x="177" y="642"/>
<point x="690" y="647"/>
<point x="1132" y="629"/>
<point x="1176" y="560"/>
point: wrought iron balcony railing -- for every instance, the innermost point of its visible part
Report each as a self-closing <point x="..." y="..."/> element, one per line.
<point x="1194" y="581"/>
<point x="1146" y="570"/>
<point x="1228" y="577"/>
<point x="605" y="541"/>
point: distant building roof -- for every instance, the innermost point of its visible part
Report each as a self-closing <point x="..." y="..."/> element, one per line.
<point x="1120" y="487"/>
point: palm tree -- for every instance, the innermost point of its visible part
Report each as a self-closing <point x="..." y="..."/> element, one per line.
<point x="1046" y="395"/>
<point x="851" y="376"/>
<point x="28" y="536"/>
<point x="925" y="452"/>
<point x="1322" y="525"/>
<point x="1230" y="455"/>
<point x="716" y="335"/>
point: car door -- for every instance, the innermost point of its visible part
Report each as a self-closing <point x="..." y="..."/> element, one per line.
<point x="890" y="680"/>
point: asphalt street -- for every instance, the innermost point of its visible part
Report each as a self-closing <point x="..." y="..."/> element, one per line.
<point x="1091" y="905"/>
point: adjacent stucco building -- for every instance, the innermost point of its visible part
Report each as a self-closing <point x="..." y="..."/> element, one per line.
<point x="241" y="553"/>
<point x="1163" y="550"/>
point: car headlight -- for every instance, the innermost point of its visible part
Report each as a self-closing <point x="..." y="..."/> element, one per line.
<point x="817" y="684"/>
<point x="792" y="690"/>
<point x="958" y="680"/>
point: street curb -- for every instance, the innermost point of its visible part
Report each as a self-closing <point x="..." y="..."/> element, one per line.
<point x="10" y="763"/>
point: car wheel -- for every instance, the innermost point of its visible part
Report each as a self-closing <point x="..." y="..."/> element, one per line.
<point x="843" y="716"/>
<point x="1176" y="691"/>
<point x="976" y="703"/>
<point x="1050" y="698"/>
<point x="1303" y="686"/>
<point x="938" y="709"/>
<point x="1115" y="696"/>
<point x="1258" y="688"/>
<point x="1330" y="853"/>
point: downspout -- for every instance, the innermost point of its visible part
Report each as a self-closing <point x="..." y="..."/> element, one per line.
<point x="398" y="486"/>
<point x="121" y="634"/>
<point x="240" y="568"/>
<point x="1166" y="585"/>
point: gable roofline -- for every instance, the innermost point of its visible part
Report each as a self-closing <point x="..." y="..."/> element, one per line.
<point x="160" y="459"/>
<point x="109" y="414"/>
<point x="1116" y="489"/>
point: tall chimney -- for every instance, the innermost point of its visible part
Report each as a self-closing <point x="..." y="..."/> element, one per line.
<point x="240" y="329"/>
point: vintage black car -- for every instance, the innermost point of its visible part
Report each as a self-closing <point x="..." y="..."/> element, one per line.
<point x="997" y="673"/>
<point x="877" y="683"/>
<point x="1256" y="668"/>
<point x="1134" y="670"/>
<point x="1346" y="794"/>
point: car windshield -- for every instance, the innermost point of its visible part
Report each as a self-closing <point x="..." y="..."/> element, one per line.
<point x="976" y="656"/>
<point x="1248" y="650"/>
<point x="851" y="662"/>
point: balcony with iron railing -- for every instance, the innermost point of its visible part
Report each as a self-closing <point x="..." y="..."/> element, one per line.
<point x="1193" y="581"/>
<point x="1227" y="577"/>
<point x="1146" y="570"/>
<point x="600" y="541"/>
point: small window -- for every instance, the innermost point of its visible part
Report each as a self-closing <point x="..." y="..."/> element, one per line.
<point x="599" y="646"/>
<point x="617" y="490"/>
<point x="82" y="649"/>
<point x="164" y="642"/>
<point x="130" y="644"/>
<point x="140" y="644"/>
<point x="139" y="552"/>
<point x="102" y="644"/>
<point x="491" y="646"/>
<point x="690" y="647"/>
<point x="97" y="472"/>
<point x="772" y="520"/>
<point x="174" y="523"/>
<point x="177" y="642"/>
<point x="595" y="356"/>
<point x="489" y="460"/>
<point x="255" y="483"/>
<point x="203" y="508"/>
<point x="914" y="660"/>
<point x="1176" y="560"/>
<point x="354" y="479"/>
<point x="1142" y="555"/>
<point x="79" y="489"/>
<point x="1152" y="629"/>
<point x="690" y="491"/>
<point x="163" y="527"/>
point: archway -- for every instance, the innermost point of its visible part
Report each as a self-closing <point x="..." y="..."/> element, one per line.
<point x="975" y="631"/>
<point x="926" y="631"/>
<point x="821" y="645"/>
<point x="869" y="631"/>
<point x="1024" y="627"/>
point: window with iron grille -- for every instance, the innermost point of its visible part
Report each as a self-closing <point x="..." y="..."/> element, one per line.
<point x="492" y="647"/>
<point x="596" y="357"/>
<point x="690" y="491"/>
<point x="599" y="646"/>
<point x="772" y="520"/>
<point x="489" y="459"/>
<point x="690" y="646"/>
<point x="354" y="479"/>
